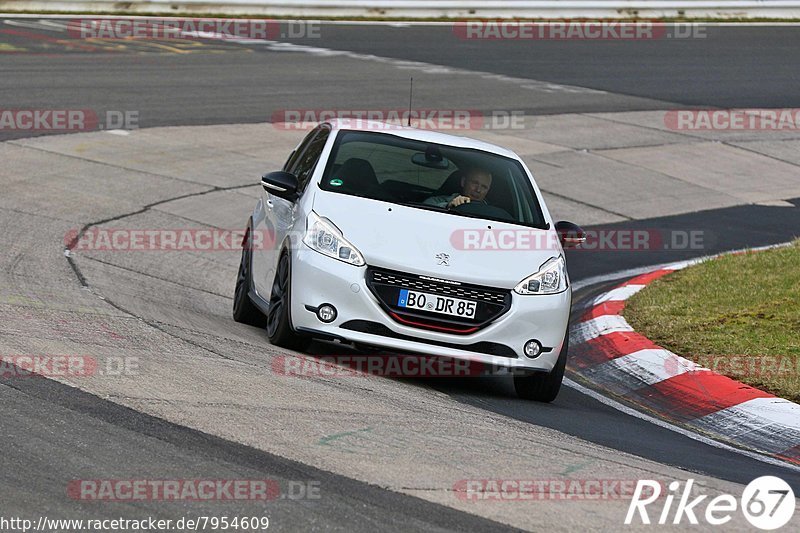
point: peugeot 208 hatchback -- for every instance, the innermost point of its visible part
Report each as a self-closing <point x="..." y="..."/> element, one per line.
<point x="411" y="240"/>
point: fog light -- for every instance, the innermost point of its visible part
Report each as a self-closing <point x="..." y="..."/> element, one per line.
<point x="326" y="313"/>
<point x="532" y="349"/>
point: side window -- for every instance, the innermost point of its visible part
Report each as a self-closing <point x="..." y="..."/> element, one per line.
<point x="305" y="164"/>
<point x="295" y="155"/>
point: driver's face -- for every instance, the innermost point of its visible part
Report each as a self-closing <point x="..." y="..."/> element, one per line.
<point x="476" y="184"/>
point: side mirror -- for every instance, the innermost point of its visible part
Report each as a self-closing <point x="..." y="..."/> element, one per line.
<point x="570" y="235"/>
<point x="281" y="184"/>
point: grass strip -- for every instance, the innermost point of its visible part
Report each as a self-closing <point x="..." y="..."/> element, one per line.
<point x="738" y="315"/>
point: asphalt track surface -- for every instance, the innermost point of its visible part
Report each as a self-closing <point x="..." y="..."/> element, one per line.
<point x="765" y="225"/>
<point x="81" y="429"/>
<point x="242" y="83"/>
<point x="205" y="82"/>
<point x="711" y="69"/>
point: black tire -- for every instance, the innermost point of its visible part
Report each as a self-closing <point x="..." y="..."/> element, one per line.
<point x="544" y="387"/>
<point x="243" y="309"/>
<point x="279" y="323"/>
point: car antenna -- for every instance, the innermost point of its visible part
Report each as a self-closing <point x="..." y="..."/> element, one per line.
<point x="410" y="94"/>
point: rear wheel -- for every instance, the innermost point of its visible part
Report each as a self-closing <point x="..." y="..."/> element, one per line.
<point x="279" y="323"/>
<point x="544" y="387"/>
<point x="243" y="309"/>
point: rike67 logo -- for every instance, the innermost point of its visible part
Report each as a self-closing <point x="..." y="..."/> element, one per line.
<point x="767" y="502"/>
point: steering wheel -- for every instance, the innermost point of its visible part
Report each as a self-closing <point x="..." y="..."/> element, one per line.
<point x="483" y="210"/>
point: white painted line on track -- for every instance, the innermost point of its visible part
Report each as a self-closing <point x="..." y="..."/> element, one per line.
<point x="59" y="26"/>
<point x="676" y="429"/>
<point x="282" y="46"/>
<point x="35" y="25"/>
<point x="430" y="68"/>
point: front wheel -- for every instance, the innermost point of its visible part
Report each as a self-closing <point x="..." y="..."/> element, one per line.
<point x="279" y="323"/>
<point x="544" y="387"/>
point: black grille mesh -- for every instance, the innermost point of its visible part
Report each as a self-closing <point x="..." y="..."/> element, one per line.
<point x="497" y="296"/>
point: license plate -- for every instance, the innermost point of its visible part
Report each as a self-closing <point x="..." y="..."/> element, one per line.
<point x="436" y="303"/>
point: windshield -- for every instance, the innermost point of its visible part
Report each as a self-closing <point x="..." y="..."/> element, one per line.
<point x="457" y="181"/>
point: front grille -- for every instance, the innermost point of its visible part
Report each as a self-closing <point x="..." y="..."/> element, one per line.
<point x="386" y="285"/>
<point x="409" y="281"/>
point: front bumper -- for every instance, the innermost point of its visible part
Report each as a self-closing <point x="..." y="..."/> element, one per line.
<point x="317" y="279"/>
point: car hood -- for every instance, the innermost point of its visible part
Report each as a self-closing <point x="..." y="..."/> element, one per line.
<point x="409" y="239"/>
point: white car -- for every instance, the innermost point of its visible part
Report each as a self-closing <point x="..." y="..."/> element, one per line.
<point x="404" y="239"/>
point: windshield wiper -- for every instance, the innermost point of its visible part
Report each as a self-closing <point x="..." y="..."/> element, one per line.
<point x="494" y="219"/>
<point x="421" y="205"/>
<point x="438" y="209"/>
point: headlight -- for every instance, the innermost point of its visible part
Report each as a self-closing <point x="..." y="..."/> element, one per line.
<point x="322" y="236"/>
<point x="551" y="278"/>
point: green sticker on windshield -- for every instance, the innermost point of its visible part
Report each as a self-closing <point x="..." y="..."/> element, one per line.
<point x="336" y="182"/>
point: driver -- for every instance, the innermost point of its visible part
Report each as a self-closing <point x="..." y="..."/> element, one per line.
<point x="474" y="186"/>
